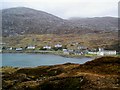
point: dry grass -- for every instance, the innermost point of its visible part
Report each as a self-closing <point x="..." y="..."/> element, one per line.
<point x="89" y="40"/>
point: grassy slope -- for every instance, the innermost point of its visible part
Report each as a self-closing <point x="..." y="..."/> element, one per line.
<point x="100" y="73"/>
<point x="89" y="40"/>
<point x="104" y="65"/>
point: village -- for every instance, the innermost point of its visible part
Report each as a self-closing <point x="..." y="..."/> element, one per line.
<point x="60" y="49"/>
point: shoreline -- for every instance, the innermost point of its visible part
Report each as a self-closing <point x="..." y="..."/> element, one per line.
<point x="54" y="53"/>
<point x="58" y="53"/>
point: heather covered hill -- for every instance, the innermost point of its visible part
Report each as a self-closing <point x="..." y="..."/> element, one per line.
<point x="97" y="74"/>
<point x="104" y="65"/>
<point x="97" y="23"/>
<point x="22" y="20"/>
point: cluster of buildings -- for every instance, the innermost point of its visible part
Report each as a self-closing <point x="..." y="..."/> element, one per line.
<point x="20" y="48"/>
<point x="55" y="46"/>
<point x="102" y="52"/>
<point x="32" y="47"/>
<point x="81" y="51"/>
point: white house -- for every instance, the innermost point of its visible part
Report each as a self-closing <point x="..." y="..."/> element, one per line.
<point x="103" y="52"/>
<point x="90" y="52"/>
<point x="81" y="47"/>
<point x="19" y="49"/>
<point x="65" y="51"/>
<point x="10" y="48"/>
<point x="106" y="52"/>
<point x="31" y="47"/>
<point x="77" y="53"/>
<point x="47" y="47"/>
<point x="58" y="45"/>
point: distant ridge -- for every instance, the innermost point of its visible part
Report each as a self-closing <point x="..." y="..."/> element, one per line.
<point x="22" y="20"/>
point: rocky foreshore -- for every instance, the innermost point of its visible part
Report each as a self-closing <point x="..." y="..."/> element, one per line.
<point x="101" y="73"/>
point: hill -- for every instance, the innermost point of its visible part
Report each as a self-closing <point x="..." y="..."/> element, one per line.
<point x="97" y="23"/>
<point x="97" y="74"/>
<point x="106" y="40"/>
<point x="104" y="65"/>
<point x="22" y="20"/>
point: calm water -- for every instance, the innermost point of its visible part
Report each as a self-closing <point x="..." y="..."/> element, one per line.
<point x="31" y="60"/>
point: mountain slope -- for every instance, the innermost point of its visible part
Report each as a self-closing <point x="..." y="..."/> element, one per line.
<point x="23" y="20"/>
<point x="97" y="23"/>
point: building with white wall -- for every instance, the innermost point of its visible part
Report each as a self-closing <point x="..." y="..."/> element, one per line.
<point x="103" y="52"/>
<point x="47" y="47"/>
<point x="31" y="47"/>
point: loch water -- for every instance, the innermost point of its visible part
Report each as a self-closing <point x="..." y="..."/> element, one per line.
<point x="32" y="60"/>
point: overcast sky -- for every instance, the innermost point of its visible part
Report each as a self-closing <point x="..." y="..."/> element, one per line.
<point x="68" y="8"/>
